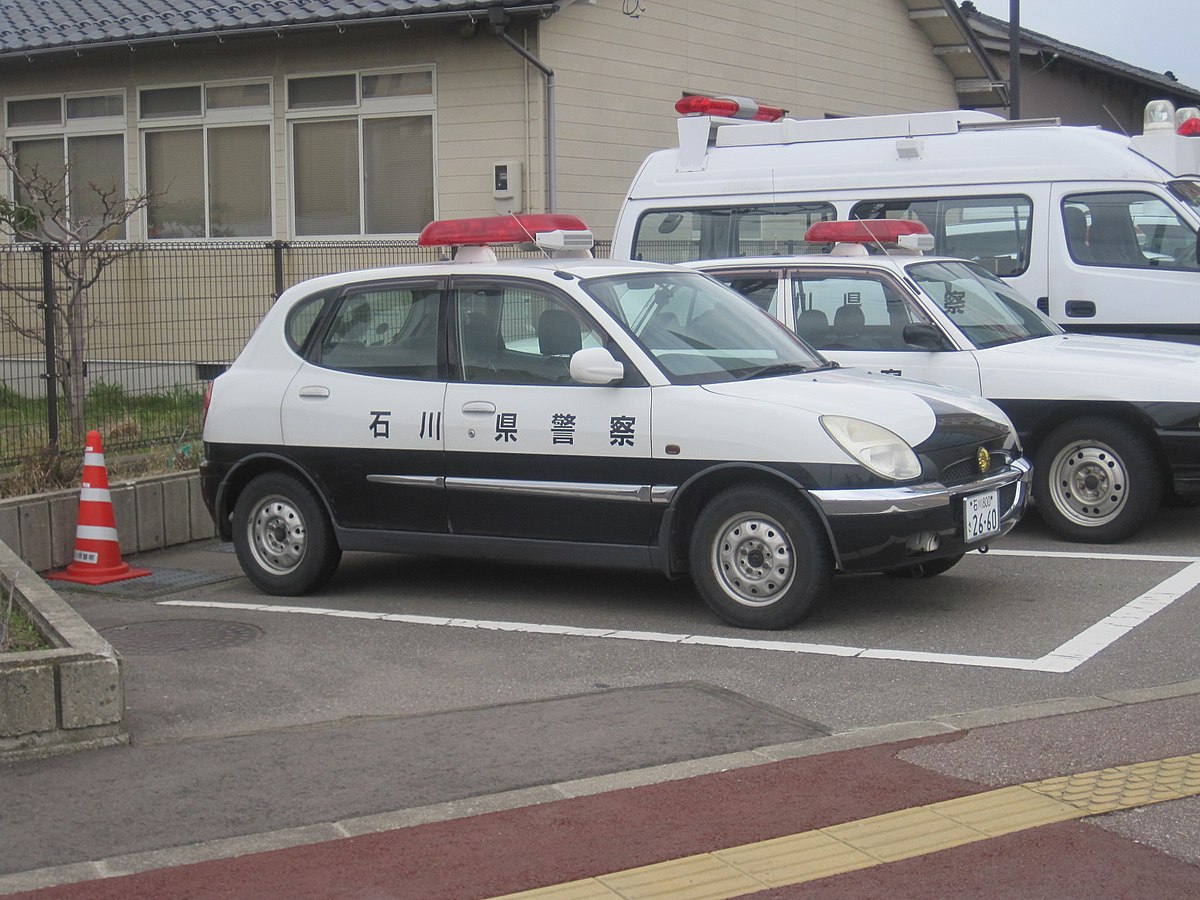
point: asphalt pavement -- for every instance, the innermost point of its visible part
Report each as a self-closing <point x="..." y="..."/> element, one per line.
<point x="289" y="760"/>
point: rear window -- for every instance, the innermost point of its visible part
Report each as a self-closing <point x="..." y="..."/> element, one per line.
<point x="711" y="232"/>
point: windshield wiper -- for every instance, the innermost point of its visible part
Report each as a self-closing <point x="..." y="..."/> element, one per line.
<point x="773" y="370"/>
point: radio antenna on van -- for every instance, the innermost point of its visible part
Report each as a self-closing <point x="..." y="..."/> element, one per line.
<point x="1116" y="121"/>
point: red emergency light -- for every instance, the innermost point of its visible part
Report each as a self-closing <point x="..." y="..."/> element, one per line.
<point x="729" y="107"/>
<point x="512" y="229"/>
<point x="863" y="231"/>
<point x="1189" y="127"/>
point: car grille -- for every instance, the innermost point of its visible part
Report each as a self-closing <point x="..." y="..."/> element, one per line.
<point x="966" y="470"/>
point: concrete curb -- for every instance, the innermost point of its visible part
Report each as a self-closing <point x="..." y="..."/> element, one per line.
<point x="71" y="697"/>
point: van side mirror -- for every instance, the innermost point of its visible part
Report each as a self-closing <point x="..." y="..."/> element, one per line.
<point x="923" y="336"/>
<point x="595" y="365"/>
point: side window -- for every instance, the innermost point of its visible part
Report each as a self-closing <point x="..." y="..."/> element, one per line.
<point x="992" y="231"/>
<point x="517" y="334"/>
<point x="389" y="330"/>
<point x="303" y="319"/>
<point x="679" y="235"/>
<point x="841" y="311"/>
<point x="1127" y="229"/>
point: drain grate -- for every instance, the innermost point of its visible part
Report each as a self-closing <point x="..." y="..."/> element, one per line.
<point x="159" y="581"/>
<point x="179" y="635"/>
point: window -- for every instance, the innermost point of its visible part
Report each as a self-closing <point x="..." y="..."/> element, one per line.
<point x="362" y="153"/>
<point x="69" y="141"/>
<point x="388" y="330"/>
<point x="679" y="235"/>
<point x="992" y="231"/>
<point x="852" y="311"/>
<point x="513" y="334"/>
<point x="208" y="160"/>
<point x="1127" y="229"/>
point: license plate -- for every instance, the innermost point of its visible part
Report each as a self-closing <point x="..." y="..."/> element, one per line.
<point x="981" y="515"/>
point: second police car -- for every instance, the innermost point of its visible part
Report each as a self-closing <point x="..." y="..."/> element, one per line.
<point x="576" y="410"/>
<point x="1112" y="424"/>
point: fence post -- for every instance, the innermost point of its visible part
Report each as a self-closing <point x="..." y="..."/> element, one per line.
<point x="51" y="374"/>
<point x="277" y="248"/>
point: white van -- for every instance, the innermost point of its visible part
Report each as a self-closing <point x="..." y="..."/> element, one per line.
<point x="1098" y="229"/>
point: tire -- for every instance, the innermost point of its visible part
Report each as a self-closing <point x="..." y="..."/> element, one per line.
<point x="925" y="569"/>
<point x="1096" y="480"/>
<point x="759" y="558"/>
<point x="283" y="537"/>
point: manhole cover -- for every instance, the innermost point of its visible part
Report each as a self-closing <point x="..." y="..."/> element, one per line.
<point x="175" y="635"/>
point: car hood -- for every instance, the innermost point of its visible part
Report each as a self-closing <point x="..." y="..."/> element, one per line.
<point x="1092" y="367"/>
<point x="911" y="409"/>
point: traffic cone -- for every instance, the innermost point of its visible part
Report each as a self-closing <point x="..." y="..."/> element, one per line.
<point x="97" y="550"/>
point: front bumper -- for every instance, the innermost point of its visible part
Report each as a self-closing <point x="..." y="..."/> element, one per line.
<point x="884" y="528"/>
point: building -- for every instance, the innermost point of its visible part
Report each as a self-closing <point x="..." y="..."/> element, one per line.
<point x="1059" y="80"/>
<point x="337" y="119"/>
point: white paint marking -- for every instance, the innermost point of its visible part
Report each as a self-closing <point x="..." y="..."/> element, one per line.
<point x="1064" y="658"/>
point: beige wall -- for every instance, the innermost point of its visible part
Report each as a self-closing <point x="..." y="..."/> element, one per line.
<point x="619" y="77"/>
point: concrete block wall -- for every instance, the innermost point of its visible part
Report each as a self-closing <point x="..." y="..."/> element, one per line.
<point x="151" y="513"/>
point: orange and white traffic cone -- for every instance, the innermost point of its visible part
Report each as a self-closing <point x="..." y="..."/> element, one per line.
<point x="97" y="550"/>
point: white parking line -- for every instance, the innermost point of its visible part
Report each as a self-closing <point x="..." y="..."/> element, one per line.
<point x="1064" y="658"/>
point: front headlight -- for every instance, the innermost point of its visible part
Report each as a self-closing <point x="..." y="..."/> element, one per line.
<point x="873" y="446"/>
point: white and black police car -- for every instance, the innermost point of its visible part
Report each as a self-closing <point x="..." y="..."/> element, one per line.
<point x="575" y="410"/>
<point x="1112" y="424"/>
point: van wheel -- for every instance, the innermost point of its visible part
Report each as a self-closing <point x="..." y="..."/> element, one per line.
<point x="925" y="569"/>
<point x="1096" y="480"/>
<point x="282" y="535"/>
<point x="759" y="558"/>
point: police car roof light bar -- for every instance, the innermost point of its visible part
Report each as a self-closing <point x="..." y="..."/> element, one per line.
<point x="728" y="107"/>
<point x="863" y="231"/>
<point x="852" y="236"/>
<point x="512" y="229"/>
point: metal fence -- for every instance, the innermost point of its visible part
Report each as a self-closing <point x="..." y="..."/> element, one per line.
<point x="161" y="322"/>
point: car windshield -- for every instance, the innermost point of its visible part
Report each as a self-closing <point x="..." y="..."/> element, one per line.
<point x="984" y="308"/>
<point x="699" y="331"/>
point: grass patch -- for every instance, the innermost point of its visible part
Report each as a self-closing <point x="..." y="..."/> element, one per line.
<point x="144" y="434"/>
<point x="17" y="631"/>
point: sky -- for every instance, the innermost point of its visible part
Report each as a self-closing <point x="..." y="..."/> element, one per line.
<point x="1155" y="34"/>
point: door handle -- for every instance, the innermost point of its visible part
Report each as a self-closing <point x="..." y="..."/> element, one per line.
<point x="314" y="392"/>
<point x="478" y="407"/>
<point x="889" y="371"/>
<point x="1080" y="309"/>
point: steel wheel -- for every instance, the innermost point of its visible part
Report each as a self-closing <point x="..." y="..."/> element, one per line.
<point x="1096" y="480"/>
<point x="753" y="560"/>
<point x="276" y="535"/>
<point x="283" y="537"/>
<point x="759" y="558"/>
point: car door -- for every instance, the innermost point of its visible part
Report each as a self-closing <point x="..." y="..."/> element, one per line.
<point x="363" y="415"/>
<point x="1122" y="262"/>
<point x="529" y="452"/>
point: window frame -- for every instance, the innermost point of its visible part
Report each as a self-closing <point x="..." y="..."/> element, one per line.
<point x="361" y="111"/>
<point x="205" y="121"/>
<point x="67" y="128"/>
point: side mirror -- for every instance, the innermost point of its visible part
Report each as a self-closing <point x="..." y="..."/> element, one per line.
<point x="923" y="336"/>
<point x="595" y="365"/>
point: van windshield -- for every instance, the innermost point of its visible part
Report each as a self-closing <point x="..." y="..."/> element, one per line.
<point x="1188" y="192"/>
<point x="699" y="331"/>
<point x="984" y="308"/>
